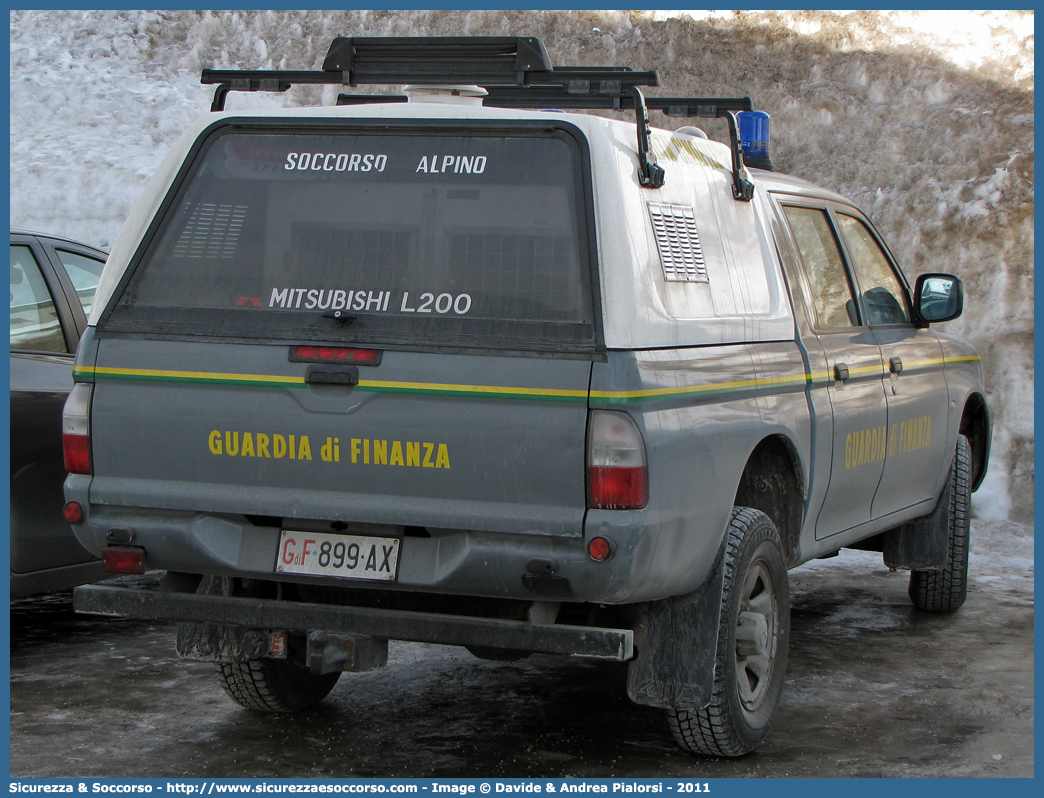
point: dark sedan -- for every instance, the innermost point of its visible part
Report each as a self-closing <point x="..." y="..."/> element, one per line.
<point x="53" y="281"/>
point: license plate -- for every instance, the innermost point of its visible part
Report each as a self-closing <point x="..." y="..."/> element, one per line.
<point x="346" y="556"/>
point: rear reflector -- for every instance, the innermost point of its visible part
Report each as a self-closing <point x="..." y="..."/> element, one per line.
<point x="123" y="561"/>
<point x="73" y="512"/>
<point x="335" y="354"/>
<point x="600" y="549"/>
<point x="617" y="474"/>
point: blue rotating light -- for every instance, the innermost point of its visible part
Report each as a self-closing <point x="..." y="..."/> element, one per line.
<point x="754" y="138"/>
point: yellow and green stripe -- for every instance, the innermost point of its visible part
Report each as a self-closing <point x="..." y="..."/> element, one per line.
<point x="676" y="393"/>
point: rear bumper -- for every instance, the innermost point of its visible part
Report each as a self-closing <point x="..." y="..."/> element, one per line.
<point x="421" y="627"/>
<point x="448" y="561"/>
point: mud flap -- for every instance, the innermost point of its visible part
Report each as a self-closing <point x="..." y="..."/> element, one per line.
<point x="211" y="641"/>
<point x="920" y="545"/>
<point x="674" y="668"/>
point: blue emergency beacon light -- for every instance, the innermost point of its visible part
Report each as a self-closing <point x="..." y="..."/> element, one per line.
<point x="754" y="139"/>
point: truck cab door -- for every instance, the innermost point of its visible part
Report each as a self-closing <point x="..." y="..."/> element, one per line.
<point x="914" y="381"/>
<point x="845" y="368"/>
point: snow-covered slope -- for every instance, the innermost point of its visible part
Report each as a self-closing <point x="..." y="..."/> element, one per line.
<point x="924" y="118"/>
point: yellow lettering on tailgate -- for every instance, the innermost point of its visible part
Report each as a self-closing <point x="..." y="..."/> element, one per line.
<point x="412" y="454"/>
<point x="385" y="453"/>
<point x="442" y="458"/>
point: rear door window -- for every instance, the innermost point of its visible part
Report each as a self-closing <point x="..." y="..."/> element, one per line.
<point x="35" y="325"/>
<point x="821" y="256"/>
<point x="84" y="272"/>
<point x="462" y="238"/>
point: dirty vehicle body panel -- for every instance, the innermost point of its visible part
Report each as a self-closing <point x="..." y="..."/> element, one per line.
<point x="352" y="372"/>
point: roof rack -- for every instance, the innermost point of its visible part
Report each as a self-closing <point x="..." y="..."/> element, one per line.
<point x="515" y="70"/>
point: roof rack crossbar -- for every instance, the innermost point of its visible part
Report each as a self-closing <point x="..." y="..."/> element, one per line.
<point x="580" y="81"/>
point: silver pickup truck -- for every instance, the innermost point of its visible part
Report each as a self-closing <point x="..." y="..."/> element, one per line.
<point x="468" y="366"/>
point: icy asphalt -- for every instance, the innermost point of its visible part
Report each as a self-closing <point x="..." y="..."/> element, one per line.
<point x="874" y="689"/>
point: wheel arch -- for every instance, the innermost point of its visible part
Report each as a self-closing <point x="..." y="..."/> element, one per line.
<point x="977" y="428"/>
<point x="773" y="481"/>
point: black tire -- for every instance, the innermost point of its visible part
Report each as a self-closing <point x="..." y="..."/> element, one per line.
<point x="751" y="657"/>
<point x="273" y="685"/>
<point x="946" y="590"/>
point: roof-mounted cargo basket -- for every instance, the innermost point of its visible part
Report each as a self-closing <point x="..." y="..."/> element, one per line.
<point x="515" y="70"/>
<point x="492" y="59"/>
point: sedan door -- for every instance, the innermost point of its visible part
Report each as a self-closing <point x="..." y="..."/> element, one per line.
<point x="45" y="329"/>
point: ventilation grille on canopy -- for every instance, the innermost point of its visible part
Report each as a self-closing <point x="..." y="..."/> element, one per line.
<point x="680" y="253"/>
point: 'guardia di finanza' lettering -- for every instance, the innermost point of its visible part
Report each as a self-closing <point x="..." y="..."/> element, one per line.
<point x="871" y="445"/>
<point x="365" y="451"/>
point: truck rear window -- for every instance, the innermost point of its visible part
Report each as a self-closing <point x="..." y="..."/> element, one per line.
<point x="455" y="238"/>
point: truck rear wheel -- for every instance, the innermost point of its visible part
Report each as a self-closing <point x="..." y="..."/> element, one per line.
<point x="273" y="685"/>
<point x="946" y="590"/>
<point x="753" y="633"/>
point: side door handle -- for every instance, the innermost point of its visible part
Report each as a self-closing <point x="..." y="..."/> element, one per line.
<point x="840" y="372"/>
<point x="895" y="365"/>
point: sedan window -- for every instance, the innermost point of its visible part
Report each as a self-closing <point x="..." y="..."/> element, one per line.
<point x="84" y="273"/>
<point x="34" y="319"/>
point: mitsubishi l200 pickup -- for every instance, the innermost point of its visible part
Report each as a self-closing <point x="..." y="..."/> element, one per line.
<point x="469" y="365"/>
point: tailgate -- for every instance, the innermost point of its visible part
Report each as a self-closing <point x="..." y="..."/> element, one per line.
<point x="447" y="441"/>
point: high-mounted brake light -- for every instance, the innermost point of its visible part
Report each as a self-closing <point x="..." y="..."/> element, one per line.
<point x="617" y="474"/>
<point x="76" y="430"/>
<point x="335" y="354"/>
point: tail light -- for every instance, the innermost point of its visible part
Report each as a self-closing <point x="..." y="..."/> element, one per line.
<point x="617" y="474"/>
<point x="76" y="430"/>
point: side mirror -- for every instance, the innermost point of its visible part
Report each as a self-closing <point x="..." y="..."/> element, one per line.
<point x="938" y="297"/>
